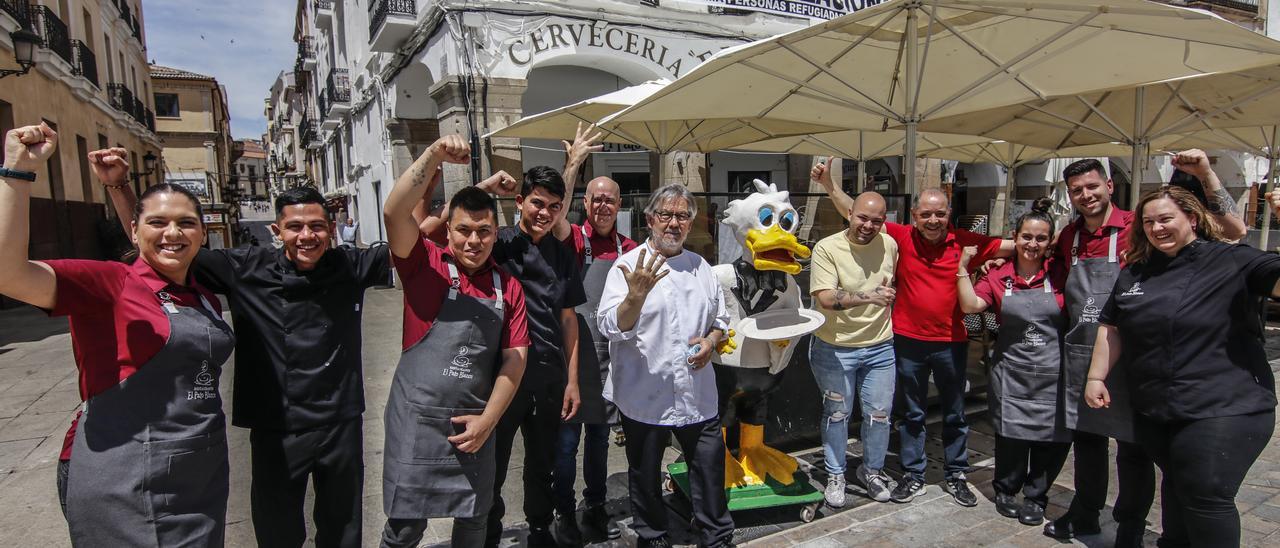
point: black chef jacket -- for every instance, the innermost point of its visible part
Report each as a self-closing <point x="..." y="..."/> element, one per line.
<point x="1191" y="344"/>
<point x="548" y="272"/>
<point x="297" y="333"/>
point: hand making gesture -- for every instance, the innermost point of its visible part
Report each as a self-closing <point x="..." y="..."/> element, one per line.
<point x="110" y="166"/>
<point x="25" y="148"/>
<point x="645" y="276"/>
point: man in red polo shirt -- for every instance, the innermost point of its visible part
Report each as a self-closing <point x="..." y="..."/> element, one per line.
<point x="465" y="343"/>
<point x="929" y="333"/>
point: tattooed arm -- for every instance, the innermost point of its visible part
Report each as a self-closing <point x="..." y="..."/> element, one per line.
<point x="419" y="180"/>
<point x="1221" y="205"/>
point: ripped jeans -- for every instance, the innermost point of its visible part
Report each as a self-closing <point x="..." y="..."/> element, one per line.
<point x="844" y="373"/>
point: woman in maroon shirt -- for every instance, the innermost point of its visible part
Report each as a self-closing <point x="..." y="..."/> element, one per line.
<point x="150" y="464"/>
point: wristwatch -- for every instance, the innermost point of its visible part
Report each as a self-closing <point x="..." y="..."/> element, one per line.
<point x="15" y="174"/>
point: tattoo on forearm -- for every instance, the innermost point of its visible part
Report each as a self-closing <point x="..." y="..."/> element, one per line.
<point x="1226" y="204"/>
<point x="416" y="175"/>
<point x="862" y="295"/>
<point x="840" y="295"/>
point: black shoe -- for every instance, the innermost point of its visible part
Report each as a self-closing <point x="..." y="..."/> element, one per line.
<point x="959" y="489"/>
<point x="1032" y="513"/>
<point x="1007" y="505"/>
<point x="1129" y="534"/>
<point x="541" y="537"/>
<point x="597" y="519"/>
<point x="1070" y="526"/>
<point x="565" y="530"/>
<point x="660" y="542"/>
<point x="907" y="490"/>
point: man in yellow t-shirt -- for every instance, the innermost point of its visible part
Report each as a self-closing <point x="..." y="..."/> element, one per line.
<point x="852" y="353"/>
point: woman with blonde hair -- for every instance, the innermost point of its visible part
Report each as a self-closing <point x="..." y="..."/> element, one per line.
<point x="1181" y="327"/>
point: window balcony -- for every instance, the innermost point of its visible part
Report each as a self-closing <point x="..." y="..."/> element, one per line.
<point x="306" y="53"/>
<point x="53" y="33"/>
<point x="390" y="23"/>
<point x="324" y="13"/>
<point x="19" y="11"/>
<point x="338" y="93"/>
<point x="120" y="97"/>
<point x="86" y="64"/>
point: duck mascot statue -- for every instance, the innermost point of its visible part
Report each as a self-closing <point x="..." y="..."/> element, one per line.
<point x="759" y="285"/>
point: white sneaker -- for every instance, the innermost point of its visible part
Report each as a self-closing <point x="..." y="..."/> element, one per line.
<point x="834" y="494"/>
<point x="877" y="485"/>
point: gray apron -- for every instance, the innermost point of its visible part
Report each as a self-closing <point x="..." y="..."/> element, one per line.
<point x="1026" y="395"/>
<point x="449" y="373"/>
<point x="593" y="348"/>
<point x="149" y="460"/>
<point x="1088" y="289"/>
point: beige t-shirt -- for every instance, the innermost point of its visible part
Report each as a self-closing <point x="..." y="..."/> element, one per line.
<point x="839" y="264"/>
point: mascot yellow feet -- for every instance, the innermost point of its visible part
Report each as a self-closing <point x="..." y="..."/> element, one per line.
<point x="734" y="474"/>
<point x="760" y="460"/>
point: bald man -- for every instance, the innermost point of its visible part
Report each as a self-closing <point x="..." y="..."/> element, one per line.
<point x="852" y="356"/>
<point x="597" y="245"/>
<point x="929" y="334"/>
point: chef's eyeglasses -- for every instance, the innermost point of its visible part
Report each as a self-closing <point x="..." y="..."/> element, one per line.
<point x="666" y="216"/>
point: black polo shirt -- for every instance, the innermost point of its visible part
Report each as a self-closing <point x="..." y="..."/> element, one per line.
<point x="1190" y="339"/>
<point x="297" y="333"/>
<point x="548" y="272"/>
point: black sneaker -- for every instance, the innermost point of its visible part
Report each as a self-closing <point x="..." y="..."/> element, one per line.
<point x="1007" y="505"/>
<point x="908" y="489"/>
<point x="1070" y="525"/>
<point x="540" y="536"/>
<point x="959" y="489"/>
<point x="1032" y="513"/>
<point x="660" y="542"/>
<point x="565" y="530"/>
<point x="596" y="519"/>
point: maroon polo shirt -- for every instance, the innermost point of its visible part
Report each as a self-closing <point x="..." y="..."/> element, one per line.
<point x="425" y="275"/>
<point x="1094" y="243"/>
<point x="117" y="323"/>
<point x="991" y="287"/>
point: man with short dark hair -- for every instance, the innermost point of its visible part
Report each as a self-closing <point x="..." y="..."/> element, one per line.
<point x="299" y="385"/>
<point x="463" y="357"/>
<point x="548" y="272"/>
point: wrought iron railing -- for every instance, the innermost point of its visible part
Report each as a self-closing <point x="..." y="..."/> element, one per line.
<point x="323" y="4"/>
<point x="53" y="32"/>
<point x="120" y="97"/>
<point x="86" y="64"/>
<point x="339" y="88"/>
<point x="380" y="9"/>
<point x="20" y="10"/>
<point x="306" y="50"/>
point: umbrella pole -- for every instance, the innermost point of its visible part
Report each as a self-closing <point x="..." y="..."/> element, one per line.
<point x="909" y="93"/>
<point x="1272" y="156"/>
<point x="860" y="185"/>
<point x="1139" y="144"/>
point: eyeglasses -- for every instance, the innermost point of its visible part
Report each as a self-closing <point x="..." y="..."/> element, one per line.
<point x="666" y="216"/>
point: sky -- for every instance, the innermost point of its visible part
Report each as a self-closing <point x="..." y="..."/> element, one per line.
<point x="245" y="44"/>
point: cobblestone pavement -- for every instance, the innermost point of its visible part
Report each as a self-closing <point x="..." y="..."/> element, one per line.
<point x="38" y="398"/>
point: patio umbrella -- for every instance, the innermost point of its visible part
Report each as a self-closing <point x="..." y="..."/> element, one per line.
<point x="1189" y="110"/>
<point x="904" y="62"/>
<point x="563" y="122"/>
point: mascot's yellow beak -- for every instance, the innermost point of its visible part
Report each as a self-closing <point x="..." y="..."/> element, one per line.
<point x="776" y="249"/>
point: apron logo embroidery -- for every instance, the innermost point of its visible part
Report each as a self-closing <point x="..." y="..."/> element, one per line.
<point x="1135" y="291"/>
<point x="1033" y="337"/>
<point x="1090" y="312"/>
<point x="460" y="366"/>
<point x="204" y="389"/>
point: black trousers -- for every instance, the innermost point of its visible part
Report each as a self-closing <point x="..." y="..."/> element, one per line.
<point x="1204" y="461"/>
<point x="64" y="468"/>
<point x="332" y="457"/>
<point x="703" y="449"/>
<point x="1135" y="473"/>
<point x="1028" y="466"/>
<point x="536" y="414"/>
<point x="407" y="533"/>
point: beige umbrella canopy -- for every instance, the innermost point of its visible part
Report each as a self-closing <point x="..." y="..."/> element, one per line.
<point x="904" y="62"/>
<point x="562" y="123"/>
<point x="1138" y="117"/>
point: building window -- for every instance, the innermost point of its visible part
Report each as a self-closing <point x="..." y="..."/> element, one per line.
<point x="167" y="105"/>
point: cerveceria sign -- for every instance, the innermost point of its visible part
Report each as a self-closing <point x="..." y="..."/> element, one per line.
<point x="581" y="35"/>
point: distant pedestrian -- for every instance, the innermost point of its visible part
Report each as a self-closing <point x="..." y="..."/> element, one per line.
<point x="347" y="232"/>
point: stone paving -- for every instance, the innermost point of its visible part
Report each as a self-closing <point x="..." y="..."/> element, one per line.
<point x="38" y="398"/>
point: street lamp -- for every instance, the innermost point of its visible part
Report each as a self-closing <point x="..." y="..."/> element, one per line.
<point x="24" y="49"/>
<point x="148" y="166"/>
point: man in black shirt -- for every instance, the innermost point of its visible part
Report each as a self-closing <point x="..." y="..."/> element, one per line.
<point x="548" y="273"/>
<point x="298" y="381"/>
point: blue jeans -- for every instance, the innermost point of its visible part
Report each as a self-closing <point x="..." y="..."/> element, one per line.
<point x="595" y="456"/>
<point x="844" y="373"/>
<point x="947" y="362"/>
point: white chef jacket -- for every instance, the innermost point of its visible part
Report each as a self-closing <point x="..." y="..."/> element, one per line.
<point x="649" y="378"/>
